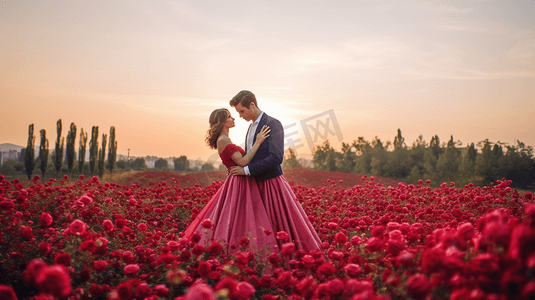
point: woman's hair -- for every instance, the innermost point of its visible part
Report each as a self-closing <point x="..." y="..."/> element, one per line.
<point x="217" y="119"/>
<point x="244" y="98"/>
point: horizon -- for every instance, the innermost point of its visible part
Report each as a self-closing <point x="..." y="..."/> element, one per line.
<point x="157" y="70"/>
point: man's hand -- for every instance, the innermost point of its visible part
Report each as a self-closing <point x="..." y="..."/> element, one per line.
<point x="236" y="170"/>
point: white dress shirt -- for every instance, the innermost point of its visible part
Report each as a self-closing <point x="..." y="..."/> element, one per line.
<point x="250" y="138"/>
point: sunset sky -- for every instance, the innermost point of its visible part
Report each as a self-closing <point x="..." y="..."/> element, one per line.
<point x="156" y="69"/>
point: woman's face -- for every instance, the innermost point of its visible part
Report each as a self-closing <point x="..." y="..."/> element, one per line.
<point x="230" y="121"/>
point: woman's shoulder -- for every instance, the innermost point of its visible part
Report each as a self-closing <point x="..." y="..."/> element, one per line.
<point x="222" y="143"/>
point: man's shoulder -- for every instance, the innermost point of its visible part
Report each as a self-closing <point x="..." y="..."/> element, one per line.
<point x="270" y="119"/>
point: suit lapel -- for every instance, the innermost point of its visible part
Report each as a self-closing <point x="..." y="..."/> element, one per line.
<point x="259" y="127"/>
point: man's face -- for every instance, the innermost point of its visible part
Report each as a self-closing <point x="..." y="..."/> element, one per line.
<point x="245" y="113"/>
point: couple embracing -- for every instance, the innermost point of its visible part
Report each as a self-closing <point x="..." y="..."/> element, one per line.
<point x="255" y="201"/>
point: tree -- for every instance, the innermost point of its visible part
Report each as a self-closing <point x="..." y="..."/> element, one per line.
<point x="364" y="156"/>
<point x="93" y="150"/>
<point x="161" y="164"/>
<point x="29" y="153"/>
<point x="348" y="158"/>
<point x="324" y="157"/>
<point x="81" y="154"/>
<point x="468" y="165"/>
<point x="181" y="163"/>
<point x="11" y="166"/>
<point x="207" y="167"/>
<point x="102" y="156"/>
<point x="290" y="161"/>
<point x="399" y="141"/>
<point x="43" y="153"/>
<point x="139" y="164"/>
<point x="485" y="163"/>
<point x="71" y="152"/>
<point x="112" y="151"/>
<point x="379" y="158"/>
<point x="60" y="147"/>
<point x="448" y="163"/>
<point x="416" y="158"/>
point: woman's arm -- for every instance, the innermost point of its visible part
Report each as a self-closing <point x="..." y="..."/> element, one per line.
<point x="242" y="161"/>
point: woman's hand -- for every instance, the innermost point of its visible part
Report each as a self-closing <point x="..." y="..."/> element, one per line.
<point x="263" y="134"/>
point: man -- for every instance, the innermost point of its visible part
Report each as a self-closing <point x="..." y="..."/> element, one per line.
<point x="285" y="212"/>
<point x="266" y="164"/>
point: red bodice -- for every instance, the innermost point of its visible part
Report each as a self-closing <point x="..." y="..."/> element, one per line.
<point x="227" y="153"/>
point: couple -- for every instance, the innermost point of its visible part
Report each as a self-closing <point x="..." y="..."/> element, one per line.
<point x="255" y="201"/>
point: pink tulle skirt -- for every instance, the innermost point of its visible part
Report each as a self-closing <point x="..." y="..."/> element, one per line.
<point x="243" y="207"/>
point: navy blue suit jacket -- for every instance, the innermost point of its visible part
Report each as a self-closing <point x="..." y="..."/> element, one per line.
<point x="266" y="163"/>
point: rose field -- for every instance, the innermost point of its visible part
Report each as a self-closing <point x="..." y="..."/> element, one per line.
<point x="83" y="238"/>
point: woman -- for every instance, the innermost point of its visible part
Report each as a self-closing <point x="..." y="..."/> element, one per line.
<point x="236" y="210"/>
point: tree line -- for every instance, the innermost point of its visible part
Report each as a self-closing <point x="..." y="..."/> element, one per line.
<point x="97" y="155"/>
<point x="440" y="162"/>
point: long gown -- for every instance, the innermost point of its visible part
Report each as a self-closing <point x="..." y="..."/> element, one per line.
<point x="243" y="207"/>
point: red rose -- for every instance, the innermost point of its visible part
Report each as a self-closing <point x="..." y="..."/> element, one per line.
<point x="32" y="270"/>
<point x="142" y="227"/>
<point x="173" y="245"/>
<point x="326" y="269"/>
<point x="77" y="227"/>
<point x="274" y="258"/>
<point x="88" y="245"/>
<point x="335" y="287"/>
<point x="229" y="284"/>
<point x="352" y="270"/>
<point x="418" y="286"/>
<point x="143" y="291"/>
<point x="26" y="232"/>
<point x="107" y="225"/>
<point x="340" y="238"/>
<point x="161" y="290"/>
<point x="282" y="235"/>
<point x="124" y="290"/>
<point x="7" y="293"/>
<point x="244" y="242"/>
<point x="54" y="281"/>
<point x="100" y="265"/>
<point x="268" y="231"/>
<point x="6" y="204"/>
<point x="45" y="248"/>
<point x="285" y="280"/>
<point x="197" y="250"/>
<point x="120" y="223"/>
<point x="131" y="270"/>
<point x="86" y="200"/>
<point x="195" y="238"/>
<point x="245" y="290"/>
<point x="204" y="269"/>
<point x="242" y="258"/>
<point x="96" y="290"/>
<point x="374" y="244"/>
<point x="214" y="248"/>
<point x="288" y="249"/>
<point x="207" y="223"/>
<point x="200" y="291"/>
<point x="45" y="219"/>
<point x="307" y="287"/>
<point x="63" y="258"/>
<point x="166" y="258"/>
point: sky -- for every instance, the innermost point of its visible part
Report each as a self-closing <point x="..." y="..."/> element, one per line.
<point x="335" y="70"/>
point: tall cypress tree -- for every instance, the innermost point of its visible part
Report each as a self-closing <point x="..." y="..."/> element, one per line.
<point x="93" y="150"/>
<point x="71" y="152"/>
<point x="60" y="147"/>
<point x="102" y="156"/>
<point x="43" y="153"/>
<point x="112" y="151"/>
<point x="29" y="153"/>
<point x="81" y="153"/>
